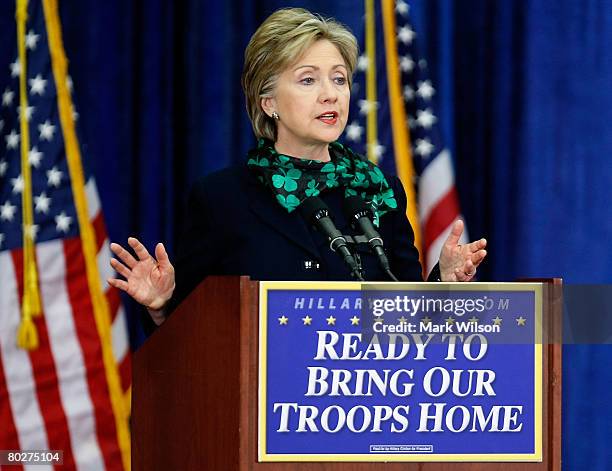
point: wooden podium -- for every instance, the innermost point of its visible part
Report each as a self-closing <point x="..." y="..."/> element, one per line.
<point x="194" y="399"/>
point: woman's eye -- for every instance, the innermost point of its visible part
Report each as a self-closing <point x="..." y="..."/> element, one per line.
<point x="340" y="80"/>
<point x="307" y="81"/>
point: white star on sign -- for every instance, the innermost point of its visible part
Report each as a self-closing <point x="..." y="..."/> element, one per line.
<point x="3" y="167"/>
<point x="365" y="106"/>
<point x="46" y="130"/>
<point x="37" y="85"/>
<point x="54" y="177"/>
<point x="406" y="64"/>
<point x="7" y="211"/>
<point x="29" y="110"/>
<point x="62" y="222"/>
<point x="34" y="156"/>
<point x="402" y="8"/>
<point x="425" y="90"/>
<point x="426" y="118"/>
<point x="12" y="140"/>
<point x="15" y="68"/>
<point x="31" y="40"/>
<point x="405" y="34"/>
<point x="7" y="97"/>
<point x="424" y="147"/>
<point x="354" y="131"/>
<point x="17" y="184"/>
<point x="42" y="203"/>
<point x="363" y="62"/>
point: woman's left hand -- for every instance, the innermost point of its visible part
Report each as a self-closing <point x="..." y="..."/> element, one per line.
<point x="459" y="262"/>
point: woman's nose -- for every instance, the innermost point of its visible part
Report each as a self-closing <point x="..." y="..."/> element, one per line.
<point x="328" y="92"/>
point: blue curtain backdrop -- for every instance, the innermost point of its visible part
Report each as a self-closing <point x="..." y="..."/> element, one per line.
<point x="525" y="102"/>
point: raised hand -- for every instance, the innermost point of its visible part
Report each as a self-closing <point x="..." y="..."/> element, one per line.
<point x="148" y="280"/>
<point x="459" y="262"/>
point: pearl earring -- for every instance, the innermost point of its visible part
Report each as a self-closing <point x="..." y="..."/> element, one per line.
<point x="275" y="115"/>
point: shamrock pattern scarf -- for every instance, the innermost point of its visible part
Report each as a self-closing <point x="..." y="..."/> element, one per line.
<point x="292" y="180"/>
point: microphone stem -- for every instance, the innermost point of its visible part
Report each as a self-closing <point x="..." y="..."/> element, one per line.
<point x="391" y="275"/>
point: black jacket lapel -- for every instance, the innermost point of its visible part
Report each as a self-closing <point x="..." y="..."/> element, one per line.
<point x="291" y="225"/>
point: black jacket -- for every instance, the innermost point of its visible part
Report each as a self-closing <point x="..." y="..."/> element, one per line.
<point x="236" y="227"/>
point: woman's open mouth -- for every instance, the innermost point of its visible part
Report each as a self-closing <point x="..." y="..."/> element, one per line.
<point x="329" y="117"/>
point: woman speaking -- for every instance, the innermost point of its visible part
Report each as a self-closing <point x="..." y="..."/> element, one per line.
<point x="256" y="218"/>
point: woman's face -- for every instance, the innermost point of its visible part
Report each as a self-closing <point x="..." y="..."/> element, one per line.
<point x="312" y="100"/>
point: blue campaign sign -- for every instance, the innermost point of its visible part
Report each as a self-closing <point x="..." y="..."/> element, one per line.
<point x="400" y="372"/>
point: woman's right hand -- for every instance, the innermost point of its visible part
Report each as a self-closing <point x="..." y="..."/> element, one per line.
<point x="149" y="280"/>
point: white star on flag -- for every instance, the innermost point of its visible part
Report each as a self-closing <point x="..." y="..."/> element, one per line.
<point x="405" y="34"/>
<point x="37" y="85"/>
<point x="34" y="157"/>
<point x="354" y="131"/>
<point x="62" y="222"/>
<point x="363" y="62"/>
<point x="7" y="211"/>
<point x="425" y="90"/>
<point x="12" y="140"/>
<point x="42" y="203"/>
<point x="408" y="93"/>
<point x="424" y="147"/>
<point x="31" y="39"/>
<point x="7" y="97"/>
<point x="29" y="110"/>
<point x="32" y="230"/>
<point x="365" y="106"/>
<point x="402" y="8"/>
<point x="15" y="68"/>
<point x="426" y="118"/>
<point x="3" y="167"/>
<point x="46" y="130"/>
<point x="377" y="150"/>
<point x="17" y="184"/>
<point x="54" y="177"/>
<point x="406" y="64"/>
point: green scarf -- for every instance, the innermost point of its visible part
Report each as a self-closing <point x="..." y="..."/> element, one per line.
<point x="292" y="180"/>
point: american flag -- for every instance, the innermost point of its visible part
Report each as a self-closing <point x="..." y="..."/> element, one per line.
<point x="393" y="121"/>
<point x="71" y="391"/>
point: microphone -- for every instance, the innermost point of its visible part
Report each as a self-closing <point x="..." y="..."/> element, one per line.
<point x="358" y="213"/>
<point x="316" y="212"/>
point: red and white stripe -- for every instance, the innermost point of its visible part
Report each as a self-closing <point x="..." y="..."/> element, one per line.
<point x="438" y="206"/>
<point x="19" y="407"/>
<point x="56" y="397"/>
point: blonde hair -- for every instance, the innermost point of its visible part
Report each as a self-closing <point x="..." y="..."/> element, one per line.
<point x="281" y="40"/>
